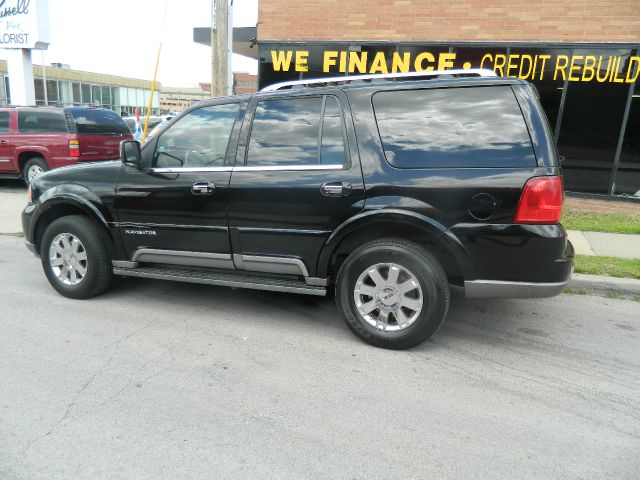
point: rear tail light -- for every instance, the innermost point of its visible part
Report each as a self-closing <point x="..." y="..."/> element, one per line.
<point x="74" y="148"/>
<point x="540" y="201"/>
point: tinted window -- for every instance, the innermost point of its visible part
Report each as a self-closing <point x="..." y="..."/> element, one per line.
<point x="98" y="121"/>
<point x="4" y="122"/>
<point x="453" y="127"/>
<point x="332" y="148"/>
<point x="199" y="139"/>
<point x="41" y="121"/>
<point x="287" y="132"/>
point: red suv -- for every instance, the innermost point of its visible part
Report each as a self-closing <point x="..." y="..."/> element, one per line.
<point x="36" y="139"/>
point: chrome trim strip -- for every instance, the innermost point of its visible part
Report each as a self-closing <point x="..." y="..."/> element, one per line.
<point x="5" y="160"/>
<point x="282" y="265"/>
<point x="178" y="257"/>
<point x="146" y="226"/>
<point x="500" y="289"/>
<point x="316" y="281"/>
<point x="221" y="282"/>
<point x="190" y="169"/>
<point x="124" y="264"/>
<point x="263" y="168"/>
<point x="281" y="168"/>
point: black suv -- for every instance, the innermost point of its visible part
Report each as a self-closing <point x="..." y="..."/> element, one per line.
<point x="390" y="190"/>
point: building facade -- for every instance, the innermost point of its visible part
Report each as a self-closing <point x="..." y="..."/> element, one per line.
<point x="583" y="57"/>
<point x="65" y="86"/>
<point x="177" y="99"/>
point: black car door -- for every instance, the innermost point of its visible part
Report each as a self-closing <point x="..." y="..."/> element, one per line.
<point x="297" y="177"/>
<point x="175" y="212"/>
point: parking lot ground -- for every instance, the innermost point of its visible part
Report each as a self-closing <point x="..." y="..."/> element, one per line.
<point x="158" y="380"/>
<point x="13" y="198"/>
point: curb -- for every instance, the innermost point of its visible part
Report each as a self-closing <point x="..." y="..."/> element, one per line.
<point x="603" y="285"/>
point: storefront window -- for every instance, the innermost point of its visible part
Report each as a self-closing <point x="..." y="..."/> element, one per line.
<point x="65" y="92"/>
<point x="52" y="92"/>
<point x="591" y="122"/>
<point x="106" y="96"/>
<point x="39" y="90"/>
<point x="86" y="94"/>
<point x="537" y="65"/>
<point x="96" y="94"/>
<point x="77" y="98"/>
<point x="628" y="177"/>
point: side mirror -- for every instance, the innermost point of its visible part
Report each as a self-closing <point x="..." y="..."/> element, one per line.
<point x="130" y="153"/>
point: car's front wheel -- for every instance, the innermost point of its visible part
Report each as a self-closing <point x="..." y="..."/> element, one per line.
<point x="393" y="293"/>
<point x="75" y="257"/>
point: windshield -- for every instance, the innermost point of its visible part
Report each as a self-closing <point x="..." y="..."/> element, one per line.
<point x="100" y="121"/>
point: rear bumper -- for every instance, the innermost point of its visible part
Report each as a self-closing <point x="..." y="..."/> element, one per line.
<point x="499" y="289"/>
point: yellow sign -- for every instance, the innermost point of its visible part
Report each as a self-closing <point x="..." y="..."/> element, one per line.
<point x="576" y="68"/>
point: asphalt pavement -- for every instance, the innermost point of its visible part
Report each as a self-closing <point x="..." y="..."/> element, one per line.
<point x="161" y="380"/>
<point x="13" y="198"/>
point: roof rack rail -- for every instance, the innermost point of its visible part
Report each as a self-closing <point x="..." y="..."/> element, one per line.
<point x="473" y="72"/>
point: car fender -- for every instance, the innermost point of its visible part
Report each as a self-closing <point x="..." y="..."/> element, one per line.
<point x="430" y="227"/>
<point x="74" y="195"/>
<point x="43" y="151"/>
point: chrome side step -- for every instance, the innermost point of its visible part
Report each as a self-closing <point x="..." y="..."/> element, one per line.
<point x="225" y="279"/>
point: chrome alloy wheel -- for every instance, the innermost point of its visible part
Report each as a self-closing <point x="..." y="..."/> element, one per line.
<point x="388" y="297"/>
<point x="34" y="172"/>
<point x="68" y="259"/>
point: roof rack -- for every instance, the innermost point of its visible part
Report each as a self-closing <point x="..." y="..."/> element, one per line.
<point x="320" y="82"/>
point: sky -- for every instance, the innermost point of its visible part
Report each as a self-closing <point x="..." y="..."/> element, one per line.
<point x="121" y="37"/>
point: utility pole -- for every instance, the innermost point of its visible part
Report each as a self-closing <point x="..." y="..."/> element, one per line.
<point x="222" y="46"/>
<point x="214" y="60"/>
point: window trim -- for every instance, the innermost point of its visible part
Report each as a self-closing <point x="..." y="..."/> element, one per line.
<point x="253" y="105"/>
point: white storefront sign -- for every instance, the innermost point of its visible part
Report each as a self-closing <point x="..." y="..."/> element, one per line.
<point x="24" y="24"/>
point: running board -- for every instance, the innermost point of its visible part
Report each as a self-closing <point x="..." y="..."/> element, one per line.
<point x="225" y="279"/>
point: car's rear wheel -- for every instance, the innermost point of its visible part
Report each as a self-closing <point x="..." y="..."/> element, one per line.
<point x="75" y="257"/>
<point x="393" y="293"/>
<point x="34" y="167"/>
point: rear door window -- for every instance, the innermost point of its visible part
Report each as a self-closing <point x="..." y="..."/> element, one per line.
<point x="42" y="121"/>
<point x="98" y="121"/>
<point x="4" y="122"/>
<point x="453" y="127"/>
<point x="297" y="131"/>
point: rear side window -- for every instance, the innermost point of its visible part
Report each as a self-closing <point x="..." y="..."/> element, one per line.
<point x="453" y="127"/>
<point x="297" y="131"/>
<point x="99" y="122"/>
<point x="42" y="121"/>
<point x="4" y="122"/>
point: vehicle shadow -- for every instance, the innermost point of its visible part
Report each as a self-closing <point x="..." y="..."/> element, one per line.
<point x="12" y="185"/>
<point x="488" y="322"/>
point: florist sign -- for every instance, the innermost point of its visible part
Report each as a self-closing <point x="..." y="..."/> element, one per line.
<point x="24" y="24"/>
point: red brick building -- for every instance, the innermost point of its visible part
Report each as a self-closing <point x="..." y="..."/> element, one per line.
<point x="451" y="20"/>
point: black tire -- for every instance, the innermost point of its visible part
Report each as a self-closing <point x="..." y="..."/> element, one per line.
<point x="35" y="163"/>
<point x="99" y="271"/>
<point x="415" y="260"/>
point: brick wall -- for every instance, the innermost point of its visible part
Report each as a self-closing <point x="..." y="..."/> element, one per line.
<point x="450" y="20"/>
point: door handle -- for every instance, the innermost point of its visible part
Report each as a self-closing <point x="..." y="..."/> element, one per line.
<point x="3" y="142"/>
<point x="335" y="189"/>
<point x="203" y="188"/>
